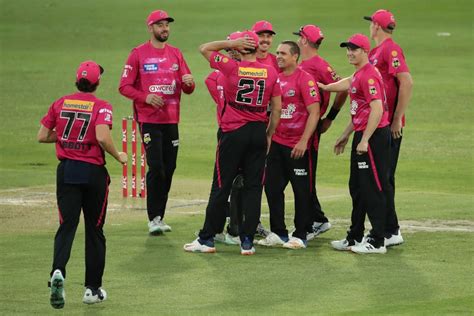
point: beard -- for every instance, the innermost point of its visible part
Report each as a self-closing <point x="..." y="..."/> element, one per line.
<point x="161" y="37"/>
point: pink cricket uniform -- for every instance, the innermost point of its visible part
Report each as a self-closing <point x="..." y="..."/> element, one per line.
<point x="249" y="86"/>
<point x="366" y="86"/>
<point x="389" y="59"/>
<point x="270" y="60"/>
<point x="215" y="84"/>
<point x="158" y="71"/>
<point x="322" y="72"/>
<point x="298" y="90"/>
<point x="75" y="117"/>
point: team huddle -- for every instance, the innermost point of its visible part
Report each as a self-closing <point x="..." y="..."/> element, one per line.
<point x="271" y="111"/>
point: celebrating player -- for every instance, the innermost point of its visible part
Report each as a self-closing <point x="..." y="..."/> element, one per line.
<point x="249" y="87"/>
<point x="264" y="30"/>
<point x="80" y="126"/>
<point x="389" y="59"/>
<point x="370" y="155"/>
<point x="310" y="39"/>
<point x="288" y="159"/>
<point x="153" y="77"/>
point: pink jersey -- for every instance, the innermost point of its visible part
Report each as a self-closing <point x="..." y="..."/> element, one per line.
<point x="389" y="59"/>
<point x="75" y="117"/>
<point x="366" y="86"/>
<point x="270" y="60"/>
<point x="322" y="72"/>
<point x="249" y="86"/>
<point x="215" y="84"/>
<point x="298" y="90"/>
<point x="158" y="71"/>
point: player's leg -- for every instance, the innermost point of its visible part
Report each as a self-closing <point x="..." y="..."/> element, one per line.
<point x="170" y="155"/>
<point x="392" y="219"/>
<point x="95" y="210"/>
<point x="235" y="205"/>
<point x="276" y="179"/>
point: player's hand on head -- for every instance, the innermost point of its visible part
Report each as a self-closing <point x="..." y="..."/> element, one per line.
<point x="154" y="100"/>
<point x="243" y="44"/>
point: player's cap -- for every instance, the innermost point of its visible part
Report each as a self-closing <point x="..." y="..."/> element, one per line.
<point x="311" y="32"/>
<point x="157" y="16"/>
<point x="262" y="27"/>
<point x="384" y="18"/>
<point x="250" y="34"/>
<point x="89" y="70"/>
<point x="357" y="41"/>
<point x="234" y="35"/>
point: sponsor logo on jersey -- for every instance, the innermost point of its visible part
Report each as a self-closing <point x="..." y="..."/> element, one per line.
<point x="105" y="111"/>
<point x="225" y="60"/>
<point x="290" y="93"/>
<point x="362" y="165"/>
<point x="395" y="62"/>
<point x="300" y="172"/>
<point x="311" y="83"/>
<point x="175" y="67"/>
<point x="175" y="142"/>
<point x="217" y="58"/>
<point x="108" y="117"/>
<point x="126" y="70"/>
<point x="353" y="90"/>
<point x="288" y="112"/>
<point x="253" y="72"/>
<point x="146" y="138"/>
<point x="312" y="92"/>
<point x="150" y="67"/>
<point x="371" y="81"/>
<point x="164" y="89"/>
<point x="372" y="90"/>
<point x="354" y="106"/>
<point x="80" y="105"/>
<point x="394" y="53"/>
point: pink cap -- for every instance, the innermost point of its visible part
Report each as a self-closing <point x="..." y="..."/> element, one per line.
<point x="89" y="70"/>
<point x="311" y="32"/>
<point x="263" y="26"/>
<point x="250" y="34"/>
<point x="357" y="41"/>
<point x="234" y="35"/>
<point x="384" y="18"/>
<point x="158" y="15"/>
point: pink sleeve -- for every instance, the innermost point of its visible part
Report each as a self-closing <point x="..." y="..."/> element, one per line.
<point x="276" y="87"/>
<point x="396" y="61"/>
<point x="129" y="77"/>
<point x="330" y="75"/>
<point x="222" y="63"/>
<point x="104" y="115"/>
<point x="372" y="89"/>
<point x="184" y="70"/>
<point x="309" y="91"/>
<point x="49" y="120"/>
<point x="211" y="84"/>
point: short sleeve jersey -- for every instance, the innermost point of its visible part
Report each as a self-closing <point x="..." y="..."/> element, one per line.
<point x="159" y="71"/>
<point x="249" y="87"/>
<point x="298" y="90"/>
<point x="75" y="117"/>
<point x="215" y="85"/>
<point x="270" y="60"/>
<point x="389" y="59"/>
<point x="366" y="86"/>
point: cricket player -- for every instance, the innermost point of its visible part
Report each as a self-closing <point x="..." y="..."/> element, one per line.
<point x="370" y="154"/>
<point x="154" y="76"/>
<point x="246" y="133"/>
<point x="310" y="39"/>
<point x="389" y="59"/>
<point x="79" y="124"/>
<point x="264" y="30"/>
<point x="288" y="159"/>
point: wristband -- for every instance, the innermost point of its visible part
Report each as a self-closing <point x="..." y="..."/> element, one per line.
<point x="332" y="114"/>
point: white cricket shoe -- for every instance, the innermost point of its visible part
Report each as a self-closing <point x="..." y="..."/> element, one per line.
<point x="295" y="243"/>
<point x="394" y="240"/>
<point x="227" y="239"/>
<point x="318" y="229"/>
<point x="272" y="240"/>
<point x="58" y="295"/>
<point x="344" y="244"/>
<point x="261" y="231"/>
<point x="158" y="226"/>
<point x="196" y="246"/>
<point x="367" y="247"/>
<point x="94" y="296"/>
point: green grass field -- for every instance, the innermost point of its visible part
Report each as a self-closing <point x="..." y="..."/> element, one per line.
<point x="42" y="42"/>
